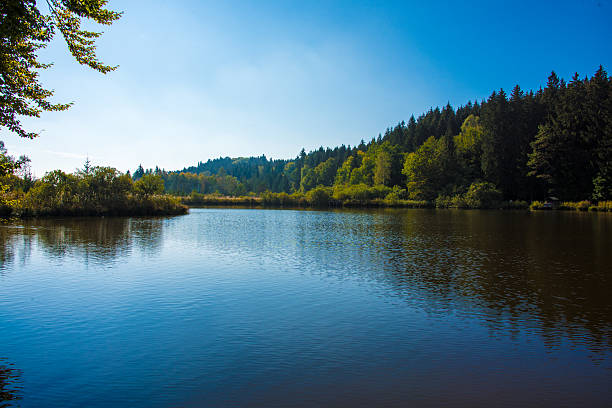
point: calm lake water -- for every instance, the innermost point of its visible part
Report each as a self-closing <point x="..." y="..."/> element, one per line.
<point x="271" y="308"/>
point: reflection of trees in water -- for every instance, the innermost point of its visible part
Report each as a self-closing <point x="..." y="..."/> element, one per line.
<point x="147" y="234"/>
<point x="10" y="387"/>
<point x="14" y="245"/>
<point x="97" y="240"/>
<point x="554" y="269"/>
<point x="103" y="239"/>
<point x="517" y="271"/>
<point x="546" y="271"/>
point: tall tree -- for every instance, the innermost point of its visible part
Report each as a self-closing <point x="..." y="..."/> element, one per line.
<point x="24" y="31"/>
<point x="571" y="152"/>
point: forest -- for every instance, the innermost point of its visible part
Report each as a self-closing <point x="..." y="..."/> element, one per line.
<point x="503" y="152"/>
<point x="525" y="146"/>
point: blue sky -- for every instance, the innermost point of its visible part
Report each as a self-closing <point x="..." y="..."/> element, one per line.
<point x="200" y="79"/>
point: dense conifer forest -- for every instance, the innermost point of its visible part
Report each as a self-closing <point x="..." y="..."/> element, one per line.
<point x="525" y="145"/>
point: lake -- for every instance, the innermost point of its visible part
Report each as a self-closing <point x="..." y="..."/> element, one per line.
<point x="276" y="308"/>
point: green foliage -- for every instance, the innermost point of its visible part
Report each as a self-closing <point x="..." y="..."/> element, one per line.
<point x="343" y="175"/>
<point x="456" y="201"/>
<point x="98" y="191"/>
<point x="10" y="185"/>
<point x="359" y="194"/>
<point x="602" y="206"/>
<point x="325" y="172"/>
<point x="184" y="183"/>
<point x="525" y="144"/>
<point x="407" y="203"/>
<point x="149" y="184"/>
<point x="396" y="195"/>
<point x="522" y="147"/>
<point x="469" y="148"/>
<point x="480" y="195"/>
<point x="281" y="199"/>
<point x="483" y="195"/>
<point x="8" y="164"/>
<point x="197" y="199"/>
<point x="291" y="172"/>
<point x="538" y="205"/>
<point x="423" y="170"/>
<point x="319" y="196"/>
<point x="364" y="173"/>
<point x="308" y="179"/>
<point x="24" y="31"/>
<point x="572" y="150"/>
<point x="575" y="206"/>
<point x="382" y="168"/>
<point x="602" y="185"/>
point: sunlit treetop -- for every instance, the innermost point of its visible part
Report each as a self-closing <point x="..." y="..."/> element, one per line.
<point x="24" y="30"/>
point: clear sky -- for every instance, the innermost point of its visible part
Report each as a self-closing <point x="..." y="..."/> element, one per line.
<point x="203" y="79"/>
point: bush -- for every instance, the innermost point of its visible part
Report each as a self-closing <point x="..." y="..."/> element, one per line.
<point x="282" y="199"/>
<point x="219" y="200"/>
<point x="583" y="205"/>
<point x="443" y="201"/>
<point x="575" y="206"/>
<point x="319" y="196"/>
<point x="359" y="194"/>
<point x="538" y="205"/>
<point x="97" y="191"/>
<point x="482" y="195"/>
<point x="396" y="195"/>
<point x="604" y="206"/>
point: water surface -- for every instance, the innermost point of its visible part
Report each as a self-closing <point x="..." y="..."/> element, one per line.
<point x="228" y="307"/>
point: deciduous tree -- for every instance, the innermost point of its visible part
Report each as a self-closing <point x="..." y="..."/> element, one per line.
<point x="24" y="31"/>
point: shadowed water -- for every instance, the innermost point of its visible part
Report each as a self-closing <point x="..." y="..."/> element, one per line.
<point x="227" y="307"/>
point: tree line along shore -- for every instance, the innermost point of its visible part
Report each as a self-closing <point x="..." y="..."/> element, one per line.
<point x="550" y="148"/>
<point x="326" y="197"/>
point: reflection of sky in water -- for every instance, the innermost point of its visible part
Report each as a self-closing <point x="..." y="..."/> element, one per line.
<point x="225" y="307"/>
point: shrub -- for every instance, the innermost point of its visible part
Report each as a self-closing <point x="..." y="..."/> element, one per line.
<point x="217" y="199"/>
<point x="604" y="206"/>
<point x="583" y="205"/>
<point x="576" y="206"/>
<point x="482" y="195"/>
<point x="319" y="196"/>
<point x="360" y="194"/>
<point x="443" y="201"/>
<point x="396" y="195"/>
<point x="459" y="201"/>
<point x="97" y="191"/>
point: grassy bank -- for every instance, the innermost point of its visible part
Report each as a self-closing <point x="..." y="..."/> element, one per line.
<point x="326" y="197"/>
<point x="213" y="200"/>
<point x="602" y="206"/>
<point x="131" y="206"/>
